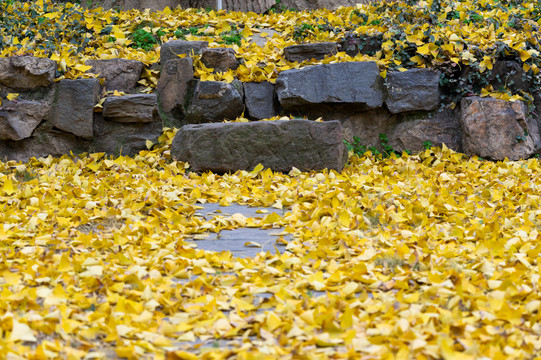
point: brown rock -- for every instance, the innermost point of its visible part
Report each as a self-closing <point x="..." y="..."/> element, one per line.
<point x="19" y="119"/>
<point x="279" y="145"/>
<point x="26" y="72"/>
<point x="436" y="127"/>
<point x="119" y="74"/>
<point x="136" y="108"/>
<point x="316" y="51"/>
<point x="497" y="129"/>
<point x="215" y="101"/>
<point x="220" y="59"/>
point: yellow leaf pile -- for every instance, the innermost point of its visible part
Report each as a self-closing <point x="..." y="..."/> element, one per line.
<point x="419" y="257"/>
<point x="435" y="33"/>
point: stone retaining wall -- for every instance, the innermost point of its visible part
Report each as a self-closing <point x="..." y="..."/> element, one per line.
<point x="55" y="117"/>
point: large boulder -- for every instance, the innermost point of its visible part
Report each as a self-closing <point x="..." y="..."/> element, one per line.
<point x="171" y="49"/>
<point x="19" y="119"/>
<point x="27" y="72"/>
<point x="119" y="74"/>
<point x="353" y="83"/>
<point x="279" y="145"/>
<point x="220" y="59"/>
<point x="215" y="101"/>
<point x="137" y="108"/>
<point x="316" y="51"/>
<point x="437" y="128"/>
<point x="415" y="89"/>
<point x="260" y="100"/>
<point x="174" y="88"/>
<point x="497" y="129"/>
<point x="73" y="108"/>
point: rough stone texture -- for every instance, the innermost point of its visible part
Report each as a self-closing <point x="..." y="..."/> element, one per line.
<point x="119" y="74"/>
<point x="73" y="108"/>
<point x="279" y="145"/>
<point x="439" y="127"/>
<point x="26" y="72"/>
<point x="416" y="89"/>
<point x="508" y="74"/>
<point x="354" y="83"/>
<point x="261" y="41"/>
<point x="316" y="51"/>
<point x="45" y="141"/>
<point x="260" y="100"/>
<point x="171" y="49"/>
<point x="220" y="59"/>
<point x="495" y="129"/>
<point x="215" y="101"/>
<point x="137" y="108"/>
<point x="173" y="88"/>
<point x="19" y="119"/>
<point x="123" y="138"/>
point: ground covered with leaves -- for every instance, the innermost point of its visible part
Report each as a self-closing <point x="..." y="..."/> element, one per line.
<point x="427" y="256"/>
<point x="452" y="36"/>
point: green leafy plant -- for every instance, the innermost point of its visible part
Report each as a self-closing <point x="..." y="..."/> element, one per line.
<point x="427" y="144"/>
<point x="144" y="39"/>
<point x="232" y="37"/>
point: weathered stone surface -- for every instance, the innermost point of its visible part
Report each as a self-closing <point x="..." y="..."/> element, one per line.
<point x="44" y="141"/>
<point x="26" y="72"/>
<point x="123" y="138"/>
<point x="19" y="119"/>
<point x="215" y="101"/>
<point x="354" y="83"/>
<point x="171" y="49"/>
<point x="119" y="74"/>
<point x="260" y="100"/>
<point x="495" y="129"/>
<point x="508" y="74"/>
<point x="73" y="108"/>
<point x="415" y="89"/>
<point x="260" y="40"/>
<point x="316" y="51"/>
<point x="279" y="145"/>
<point x="173" y="88"/>
<point x="439" y="127"/>
<point x="220" y="59"/>
<point x="137" y="108"/>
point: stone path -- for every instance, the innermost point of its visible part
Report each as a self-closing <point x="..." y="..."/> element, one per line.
<point x="235" y="240"/>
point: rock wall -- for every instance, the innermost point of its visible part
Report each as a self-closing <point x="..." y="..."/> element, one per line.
<point x="257" y="6"/>
<point x="50" y="117"/>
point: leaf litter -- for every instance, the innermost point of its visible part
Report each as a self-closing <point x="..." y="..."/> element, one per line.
<point x="427" y="256"/>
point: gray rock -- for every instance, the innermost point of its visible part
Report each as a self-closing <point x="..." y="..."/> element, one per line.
<point x="260" y="100"/>
<point x="173" y="89"/>
<point x="137" y="108"/>
<point x="416" y="89"/>
<point x="497" y="129"/>
<point x="19" y="119"/>
<point x="353" y="83"/>
<point x="215" y="101"/>
<point x="123" y="138"/>
<point x="220" y="59"/>
<point x="261" y="41"/>
<point x="316" y="51"/>
<point x="171" y="49"/>
<point x="73" y="108"/>
<point x="119" y="74"/>
<point x="279" y="145"/>
<point x="437" y="127"/>
<point x="26" y="72"/>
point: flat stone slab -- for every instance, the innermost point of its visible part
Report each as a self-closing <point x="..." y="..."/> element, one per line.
<point x="353" y="83"/>
<point x="316" y="51"/>
<point x="236" y="240"/>
<point x="171" y="49"/>
<point x="278" y="145"/>
<point x="415" y="89"/>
